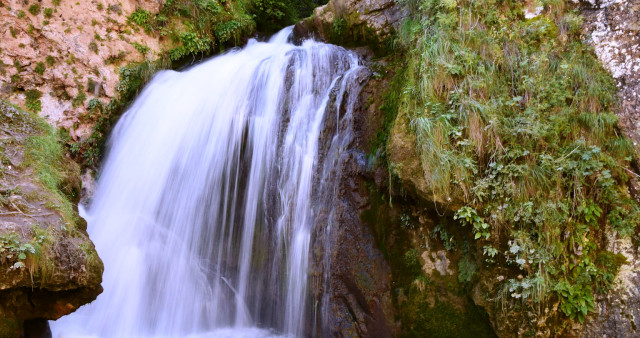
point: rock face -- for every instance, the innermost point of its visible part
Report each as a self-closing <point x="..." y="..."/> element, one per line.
<point x="405" y="163"/>
<point x="352" y="279"/>
<point x="354" y="22"/>
<point x="69" y="52"/>
<point x="49" y="266"/>
<point x="613" y="28"/>
<point x="618" y="312"/>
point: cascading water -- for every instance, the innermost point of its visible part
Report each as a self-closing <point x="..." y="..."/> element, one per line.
<point x="203" y="213"/>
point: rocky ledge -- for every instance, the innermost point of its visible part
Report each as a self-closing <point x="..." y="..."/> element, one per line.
<point x="353" y="23"/>
<point x="48" y="265"/>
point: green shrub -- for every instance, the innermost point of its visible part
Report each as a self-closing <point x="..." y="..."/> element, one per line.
<point x="32" y="100"/>
<point x="50" y="60"/>
<point x="34" y="9"/>
<point x="48" y="13"/>
<point x="39" y="68"/>
<point x="143" y="49"/>
<point x="93" y="46"/>
<point x="79" y="99"/>
<point x="140" y="17"/>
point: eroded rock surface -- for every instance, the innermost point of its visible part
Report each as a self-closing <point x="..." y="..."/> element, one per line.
<point x="48" y="265"/>
<point x="613" y="28"/>
<point x="70" y="53"/>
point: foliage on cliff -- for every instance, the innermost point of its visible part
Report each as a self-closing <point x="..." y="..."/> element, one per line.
<point x="513" y="118"/>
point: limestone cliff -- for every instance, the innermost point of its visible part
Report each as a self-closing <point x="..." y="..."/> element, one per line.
<point x="612" y="27"/>
<point x="58" y="55"/>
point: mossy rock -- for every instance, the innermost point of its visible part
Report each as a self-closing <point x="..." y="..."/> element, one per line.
<point x="50" y="266"/>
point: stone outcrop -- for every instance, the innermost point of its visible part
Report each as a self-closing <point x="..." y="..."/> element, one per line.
<point x="48" y="265"/>
<point x="613" y="28"/>
<point x="405" y="163"/>
<point x="354" y="23"/>
<point x="70" y="53"/>
<point x="618" y="312"/>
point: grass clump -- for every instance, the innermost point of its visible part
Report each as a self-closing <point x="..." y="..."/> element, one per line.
<point x="34" y="9"/>
<point x="44" y="154"/>
<point x="40" y="68"/>
<point x="32" y="100"/>
<point x="514" y="118"/>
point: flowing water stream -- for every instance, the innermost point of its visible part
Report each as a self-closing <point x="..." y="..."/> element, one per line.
<point x="204" y="213"/>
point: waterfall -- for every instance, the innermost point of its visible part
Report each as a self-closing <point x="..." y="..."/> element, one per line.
<point x="204" y="210"/>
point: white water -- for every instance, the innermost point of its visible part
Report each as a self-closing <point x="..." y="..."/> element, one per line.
<point x="203" y="213"/>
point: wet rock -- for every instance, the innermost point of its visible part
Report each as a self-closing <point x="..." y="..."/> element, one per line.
<point x="352" y="280"/>
<point x="37" y="328"/>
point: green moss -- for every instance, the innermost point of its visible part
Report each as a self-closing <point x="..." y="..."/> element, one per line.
<point x="442" y="319"/>
<point x="10" y="327"/>
<point x="40" y="68"/>
<point x="32" y="100"/>
<point x="390" y="110"/>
